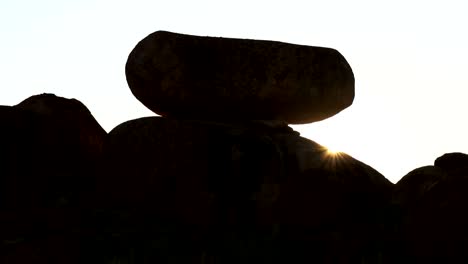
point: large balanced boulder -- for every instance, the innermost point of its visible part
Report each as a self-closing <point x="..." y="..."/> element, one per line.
<point x="253" y="192"/>
<point x="208" y="78"/>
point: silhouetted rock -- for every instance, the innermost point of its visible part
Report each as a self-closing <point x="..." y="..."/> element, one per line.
<point x="67" y="146"/>
<point x="73" y="122"/>
<point x="236" y="193"/>
<point x="452" y="161"/>
<point x="430" y="217"/>
<point x="331" y="203"/>
<point x="412" y="187"/>
<point x="50" y="150"/>
<point x="208" y="78"/>
<point x="18" y="146"/>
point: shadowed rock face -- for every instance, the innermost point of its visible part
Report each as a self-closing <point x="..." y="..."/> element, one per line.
<point x="208" y="78"/>
<point x="73" y="123"/>
<point x="47" y="137"/>
<point x="415" y="185"/>
<point x="238" y="193"/>
<point x="335" y="203"/>
<point x="430" y="213"/>
<point x="68" y="141"/>
<point x="452" y="161"/>
<point x="50" y="149"/>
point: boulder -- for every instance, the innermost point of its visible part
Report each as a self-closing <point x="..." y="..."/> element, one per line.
<point x="251" y="192"/>
<point x="224" y="79"/>
<point x="452" y="161"/>
<point x="67" y="145"/>
<point x="332" y="203"/>
<point x="50" y="152"/>
<point x="72" y="121"/>
<point x="413" y="186"/>
<point x="430" y="217"/>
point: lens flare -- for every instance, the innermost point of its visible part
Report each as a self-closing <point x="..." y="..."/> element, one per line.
<point x="332" y="151"/>
<point x="333" y="159"/>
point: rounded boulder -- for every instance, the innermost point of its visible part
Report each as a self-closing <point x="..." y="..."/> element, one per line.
<point x="209" y="78"/>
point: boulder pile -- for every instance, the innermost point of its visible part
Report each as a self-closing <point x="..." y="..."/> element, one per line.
<point x="222" y="164"/>
<point x="219" y="176"/>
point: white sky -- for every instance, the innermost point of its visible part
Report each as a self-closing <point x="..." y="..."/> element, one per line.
<point x="410" y="60"/>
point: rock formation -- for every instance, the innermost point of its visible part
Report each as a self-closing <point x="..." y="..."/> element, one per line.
<point x="242" y="192"/>
<point x="220" y="177"/>
<point x="222" y="79"/>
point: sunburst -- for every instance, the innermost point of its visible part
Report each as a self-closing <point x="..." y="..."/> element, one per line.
<point x="332" y="152"/>
<point x="332" y="159"/>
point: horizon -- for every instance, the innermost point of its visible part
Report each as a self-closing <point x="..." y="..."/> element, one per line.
<point x="408" y="61"/>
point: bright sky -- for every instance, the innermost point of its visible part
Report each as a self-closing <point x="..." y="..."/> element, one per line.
<point x="410" y="60"/>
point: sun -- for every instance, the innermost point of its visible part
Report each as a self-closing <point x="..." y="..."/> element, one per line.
<point x="332" y="150"/>
<point x="332" y="159"/>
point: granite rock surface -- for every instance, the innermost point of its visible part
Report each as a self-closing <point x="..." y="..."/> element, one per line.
<point x="207" y="78"/>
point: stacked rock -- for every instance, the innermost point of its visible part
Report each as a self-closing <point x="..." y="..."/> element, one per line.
<point x="220" y="175"/>
<point x="206" y="78"/>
